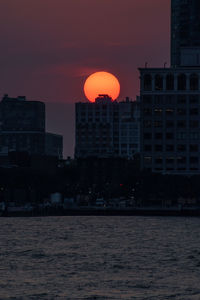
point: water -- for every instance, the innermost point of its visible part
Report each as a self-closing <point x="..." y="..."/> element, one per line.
<point x="100" y="258"/>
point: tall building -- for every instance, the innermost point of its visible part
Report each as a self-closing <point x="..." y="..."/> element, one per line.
<point x="107" y="128"/>
<point x="22" y="128"/>
<point x="170" y="99"/>
<point x="185" y="33"/>
<point x="170" y="120"/>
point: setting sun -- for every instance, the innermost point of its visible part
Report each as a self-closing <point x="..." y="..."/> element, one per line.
<point x="101" y="83"/>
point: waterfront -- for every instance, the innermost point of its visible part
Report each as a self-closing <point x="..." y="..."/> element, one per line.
<point x="100" y="258"/>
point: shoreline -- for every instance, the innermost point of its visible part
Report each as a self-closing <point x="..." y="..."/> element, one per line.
<point x="106" y="212"/>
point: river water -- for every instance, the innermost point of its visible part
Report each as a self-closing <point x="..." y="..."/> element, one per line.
<point x="100" y="258"/>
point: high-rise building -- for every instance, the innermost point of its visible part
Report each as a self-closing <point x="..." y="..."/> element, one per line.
<point x="185" y="33"/>
<point x="22" y="128"/>
<point x="107" y="128"/>
<point x="170" y="99"/>
<point x="170" y="120"/>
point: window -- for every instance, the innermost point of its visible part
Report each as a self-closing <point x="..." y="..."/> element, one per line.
<point x="147" y="147"/>
<point x="158" y="135"/>
<point x="158" y="111"/>
<point x="169" y="135"/>
<point x="181" y="147"/>
<point x="169" y="147"/>
<point x="158" y="99"/>
<point x="147" y="135"/>
<point x="169" y="82"/>
<point x="181" y="135"/>
<point x="194" y="135"/>
<point x="169" y="99"/>
<point x="194" y="124"/>
<point x="194" y="82"/>
<point x="158" y="160"/>
<point x="147" y="159"/>
<point x="181" y="124"/>
<point x="194" y="111"/>
<point x="147" y="124"/>
<point x="181" y="160"/>
<point x="181" y="82"/>
<point x="194" y="160"/>
<point x="181" y="99"/>
<point x="169" y="124"/>
<point x="169" y="111"/>
<point x="158" y="124"/>
<point x="158" y="82"/>
<point x="170" y="160"/>
<point x="147" y="111"/>
<point x="147" y="82"/>
<point x="181" y="111"/>
<point x="193" y="99"/>
<point x="194" y="148"/>
<point x="158" y="148"/>
<point x="147" y="99"/>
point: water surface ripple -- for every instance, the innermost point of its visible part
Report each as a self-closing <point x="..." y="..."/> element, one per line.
<point x="100" y="258"/>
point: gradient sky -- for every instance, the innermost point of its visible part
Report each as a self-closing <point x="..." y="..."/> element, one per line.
<point x="49" y="47"/>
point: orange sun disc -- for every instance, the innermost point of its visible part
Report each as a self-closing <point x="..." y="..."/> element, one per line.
<point x="101" y="83"/>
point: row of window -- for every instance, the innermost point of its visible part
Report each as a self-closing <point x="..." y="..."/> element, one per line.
<point x="170" y="82"/>
<point x="171" y="147"/>
<point x="171" y="160"/>
<point x="171" y="124"/>
<point x="170" y="135"/>
<point x="170" y="111"/>
<point x="170" y="99"/>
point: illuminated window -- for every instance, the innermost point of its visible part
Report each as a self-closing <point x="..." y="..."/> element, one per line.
<point x="158" y="111"/>
<point x="148" y="159"/>
<point x="169" y="111"/>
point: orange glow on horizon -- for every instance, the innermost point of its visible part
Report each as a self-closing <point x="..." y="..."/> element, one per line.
<point x="101" y="83"/>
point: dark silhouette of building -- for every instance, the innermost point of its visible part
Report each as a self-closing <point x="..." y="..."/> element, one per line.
<point x="107" y="128"/>
<point x="22" y="128"/>
<point x="185" y="33"/>
<point x="170" y="100"/>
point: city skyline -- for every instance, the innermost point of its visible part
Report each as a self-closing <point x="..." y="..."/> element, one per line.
<point x="47" y="55"/>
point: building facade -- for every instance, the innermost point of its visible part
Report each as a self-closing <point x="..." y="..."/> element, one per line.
<point x="170" y="120"/>
<point x="107" y="128"/>
<point x="22" y="128"/>
<point x="170" y="99"/>
<point x="185" y="37"/>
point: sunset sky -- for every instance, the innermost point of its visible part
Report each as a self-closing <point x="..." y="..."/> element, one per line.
<point x="49" y="47"/>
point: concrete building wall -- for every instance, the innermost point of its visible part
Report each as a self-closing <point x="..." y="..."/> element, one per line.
<point x="19" y="114"/>
<point x="107" y="128"/>
<point x="22" y="128"/>
<point x="185" y="32"/>
<point x="170" y="120"/>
